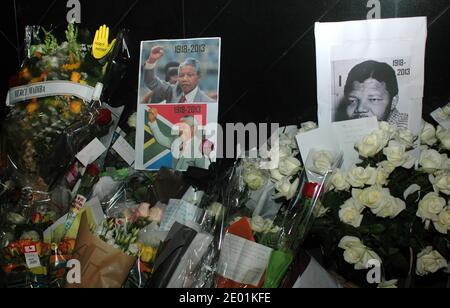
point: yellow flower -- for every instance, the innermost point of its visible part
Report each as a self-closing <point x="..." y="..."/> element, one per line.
<point x="75" y="107"/>
<point x="147" y="253"/>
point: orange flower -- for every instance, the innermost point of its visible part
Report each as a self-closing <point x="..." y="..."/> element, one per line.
<point x="25" y="74"/>
<point x="33" y="106"/>
<point x="71" y="67"/>
<point x="75" y="107"/>
<point x="75" y="77"/>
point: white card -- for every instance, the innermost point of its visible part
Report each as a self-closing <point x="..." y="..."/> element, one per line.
<point x="319" y="139"/>
<point x="242" y="260"/>
<point x="91" y="152"/>
<point x="349" y="133"/>
<point x="32" y="257"/>
<point x="125" y="150"/>
<point x="178" y="211"/>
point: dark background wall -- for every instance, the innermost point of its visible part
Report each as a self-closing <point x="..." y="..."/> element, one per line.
<point x="268" y="52"/>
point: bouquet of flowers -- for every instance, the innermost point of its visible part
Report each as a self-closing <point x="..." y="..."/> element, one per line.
<point x="391" y="210"/>
<point x="55" y="105"/>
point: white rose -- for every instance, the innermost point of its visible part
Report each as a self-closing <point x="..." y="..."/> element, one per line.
<point x="306" y="127"/>
<point x="442" y="224"/>
<point x="441" y="182"/>
<point x="289" y="166"/>
<point x="428" y="134"/>
<point x="276" y="175"/>
<point x="389" y="207"/>
<point x="322" y="161"/>
<point x="387" y="166"/>
<point x="370" y="197"/>
<point x="339" y="180"/>
<point x="431" y="206"/>
<point x="350" y="213"/>
<point x="429" y="261"/>
<point x="359" y="177"/>
<point x="284" y="151"/>
<point x="432" y="160"/>
<point x="132" y="120"/>
<point x="368" y="256"/>
<point x="321" y="210"/>
<point x="382" y="176"/>
<point x="286" y="189"/>
<point x="391" y="284"/>
<point x="349" y="241"/>
<point x="372" y="144"/>
<point x="254" y="178"/>
<point x="258" y="224"/>
<point x="389" y="129"/>
<point x="355" y="254"/>
<point x="286" y="141"/>
<point x="444" y="137"/>
<point x="396" y="154"/>
<point x="405" y="137"/>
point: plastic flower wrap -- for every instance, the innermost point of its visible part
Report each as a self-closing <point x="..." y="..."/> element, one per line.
<point x="55" y="104"/>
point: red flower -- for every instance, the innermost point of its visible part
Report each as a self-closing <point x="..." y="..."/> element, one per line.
<point x="104" y="117"/>
<point x="93" y="170"/>
<point x="37" y="218"/>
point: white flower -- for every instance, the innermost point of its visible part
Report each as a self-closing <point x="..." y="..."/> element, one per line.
<point x="357" y="253"/>
<point x="382" y="176"/>
<point x="370" y="197"/>
<point x="289" y="166"/>
<point x="339" y="181"/>
<point x="322" y="161"/>
<point x="369" y="256"/>
<point x="359" y="177"/>
<point x="432" y="161"/>
<point x="155" y="214"/>
<point x="284" y="151"/>
<point x="276" y="175"/>
<point x="132" y="120"/>
<point x="215" y="210"/>
<point x="287" y="141"/>
<point x="286" y="189"/>
<point x="109" y="235"/>
<point x="389" y="207"/>
<point x="387" y="166"/>
<point x="431" y="206"/>
<point x="321" y="210"/>
<point x="444" y="137"/>
<point x="350" y="213"/>
<point x="254" y="178"/>
<point x="372" y="144"/>
<point x="389" y="129"/>
<point x="306" y="127"/>
<point x="442" y="224"/>
<point x="396" y="154"/>
<point x="405" y="137"/>
<point x="441" y="182"/>
<point x="261" y="225"/>
<point x="133" y="250"/>
<point x="391" y="284"/>
<point x="428" y="134"/>
<point x="429" y="261"/>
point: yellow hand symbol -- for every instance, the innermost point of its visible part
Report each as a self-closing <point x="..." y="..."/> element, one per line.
<point x="100" y="46"/>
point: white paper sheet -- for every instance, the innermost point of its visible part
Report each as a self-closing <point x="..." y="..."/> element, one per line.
<point x="125" y="150"/>
<point x="243" y="261"/>
<point x="398" y="44"/>
<point x="91" y="152"/>
<point x="179" y="211"/>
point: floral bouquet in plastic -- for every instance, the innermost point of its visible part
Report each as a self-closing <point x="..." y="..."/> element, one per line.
<point x="55" y="104"/>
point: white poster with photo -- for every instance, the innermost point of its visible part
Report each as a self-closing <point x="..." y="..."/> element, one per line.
<point x="178" y="104"/>
<point x="371" y="68"/>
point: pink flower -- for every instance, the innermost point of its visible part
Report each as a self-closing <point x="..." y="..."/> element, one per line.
<point x="143" y="210"/>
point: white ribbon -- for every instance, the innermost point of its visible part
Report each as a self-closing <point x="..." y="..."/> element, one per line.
<point x="53" y="88"/>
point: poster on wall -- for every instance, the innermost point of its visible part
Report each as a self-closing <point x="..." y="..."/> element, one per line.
<point x="178" y="103"/>
<point x="371" y="68"/>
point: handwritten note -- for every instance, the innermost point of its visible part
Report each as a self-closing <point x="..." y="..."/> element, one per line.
<point x="178" y="211"/>
<point x="243" y="261"/>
